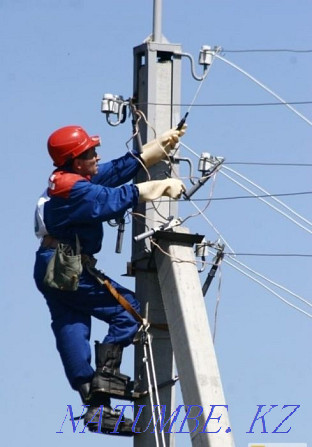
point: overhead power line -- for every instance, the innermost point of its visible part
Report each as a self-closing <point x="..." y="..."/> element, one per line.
<point x="264" y="87"/>
<point x="230" y="104"/>
<point x="257" y="196"/>
<point x="260" y="197"/>
<point x="268" y="288"/>
<point x="264" y="163"/>
<point x="251" y="274"/>
<point x="268" y="50"/>
<point x="281" y="255"/>
<point x="274" y="207"/>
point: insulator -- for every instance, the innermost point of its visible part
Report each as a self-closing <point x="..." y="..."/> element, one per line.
<point x="201" y="250"/>
<point x="205" y="162"/>
<point x="112" y="103"/>
<point x="205" y="55"/>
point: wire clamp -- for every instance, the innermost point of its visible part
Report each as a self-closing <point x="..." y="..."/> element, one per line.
<point x="172" y="222"/>
<point x="208" y="165"/>
<point x="216" y="263"/>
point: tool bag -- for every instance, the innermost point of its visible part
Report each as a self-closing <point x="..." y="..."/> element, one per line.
<point x="64" y="268"/>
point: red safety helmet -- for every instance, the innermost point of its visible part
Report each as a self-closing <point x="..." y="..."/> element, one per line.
<point x="69" y="142"/>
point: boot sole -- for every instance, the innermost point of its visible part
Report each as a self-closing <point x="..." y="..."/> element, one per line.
<point x="106" y="431"/>
<point x="119" y="394"/>
<point x="109" y="427"/>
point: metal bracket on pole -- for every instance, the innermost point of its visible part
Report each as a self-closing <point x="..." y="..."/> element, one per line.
<point x="166" y="226"/>
<point x="216" y="262"/>
<point x="178" y="237"/>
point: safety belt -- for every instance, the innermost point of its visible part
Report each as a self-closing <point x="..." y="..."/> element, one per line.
<point x="89" y="264"/>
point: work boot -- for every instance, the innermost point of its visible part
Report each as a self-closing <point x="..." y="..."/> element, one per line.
<point x="84" y="391"/>
<point x="106" y="420"/>
<point x="100" y="417"/>
<point x="107" y="379"/>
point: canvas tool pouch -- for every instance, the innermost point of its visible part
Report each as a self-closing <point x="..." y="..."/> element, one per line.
<point x="64" y="268"/>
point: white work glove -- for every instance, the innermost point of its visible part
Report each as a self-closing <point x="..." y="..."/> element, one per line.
<point x="158" y="149"/>
<point x="171" y="187"/>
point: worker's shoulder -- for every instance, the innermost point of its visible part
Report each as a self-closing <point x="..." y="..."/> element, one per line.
<point x="61" y="183"/>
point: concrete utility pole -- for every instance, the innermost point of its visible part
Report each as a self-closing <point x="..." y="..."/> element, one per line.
<point x="156" y="86"/>
<point x="170" y="292"/>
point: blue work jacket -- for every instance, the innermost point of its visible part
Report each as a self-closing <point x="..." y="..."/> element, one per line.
<point x="78" y="205"/>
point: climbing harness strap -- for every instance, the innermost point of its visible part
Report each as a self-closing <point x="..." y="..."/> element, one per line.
<point x="89" y="263"/>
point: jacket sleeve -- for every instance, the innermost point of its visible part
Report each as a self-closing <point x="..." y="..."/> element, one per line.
<point x="89" y="202"/>
<point x="118" y="171"/>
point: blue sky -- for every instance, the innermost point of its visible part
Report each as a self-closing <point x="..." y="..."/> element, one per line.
<point x="58" y="57"/>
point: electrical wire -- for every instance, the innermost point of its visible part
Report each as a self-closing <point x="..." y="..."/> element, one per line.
<point x="189" y="149"/>
<point x="240" y="269"/>
<point x="151" y="357"/>
<point x="148" y="124"/>
<point x="217" y="305"/>
<point x="268" y="50"/>
<point x="232" y="257"/>
<point x="201" y="80"/>
<point x="268" y="288"/>
<point x="174" y="258"/>
<point x="133" y="136"/>
<point x="256" y="196"/>
<point x="265" y="88"/>
<point x="197" y="91"/>
<point x="212" y="226"/>
<point x="274" y="255"/>
<point x="249" y="275"/>
<point x="272" y="196"/>
<point x="150" y="389"/>
<point x="257" y="163"/>
<point x="241" y="264"/>
<point x="229" y="104"/>
<point x="206" y="200"/>
<point x="267" y="203"/>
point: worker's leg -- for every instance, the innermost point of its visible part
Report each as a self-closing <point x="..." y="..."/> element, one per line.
<point x="122" y="329"/>
<point x="71" y="328"/>
<point x="71" y="312"/>
<point x="108" y="381"/>
<point x="122" y="325"/>
<point x="72" y="331"/>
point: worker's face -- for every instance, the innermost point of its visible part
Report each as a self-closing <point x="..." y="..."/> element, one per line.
<point x="87" y="163"/>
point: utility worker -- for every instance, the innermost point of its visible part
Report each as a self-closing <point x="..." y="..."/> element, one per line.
<point x="81" y="195"/>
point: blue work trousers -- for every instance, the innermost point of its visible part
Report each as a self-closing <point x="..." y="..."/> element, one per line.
<point x="71" y="314"/>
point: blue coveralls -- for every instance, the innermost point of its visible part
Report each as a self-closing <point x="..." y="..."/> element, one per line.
<point x="79" y="205"/>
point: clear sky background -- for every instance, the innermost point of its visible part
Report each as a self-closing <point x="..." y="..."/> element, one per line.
<point x="58" y="57"/>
